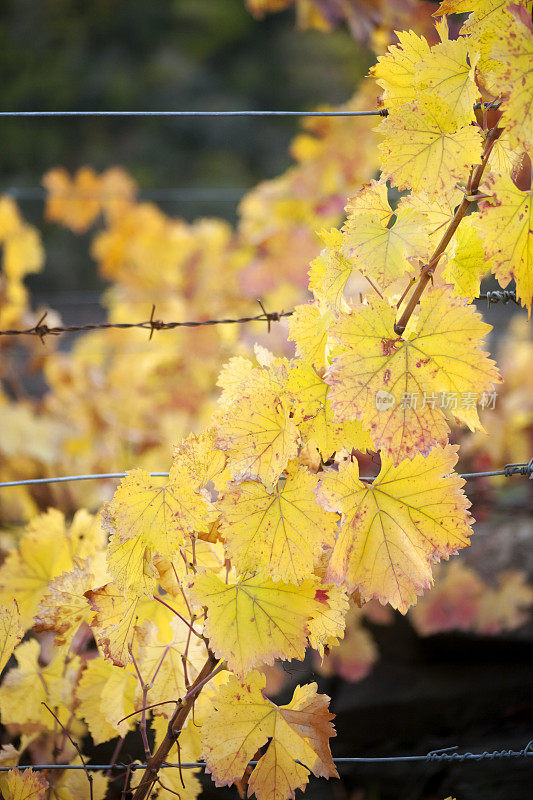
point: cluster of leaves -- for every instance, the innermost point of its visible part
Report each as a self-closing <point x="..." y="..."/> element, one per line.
<point x="265" y="540"/>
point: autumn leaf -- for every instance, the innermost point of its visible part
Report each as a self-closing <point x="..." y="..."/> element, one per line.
<point x="11" y="631"/>
<point x="330" y="271"/>
<point x="513" y="76"/>
<point x="278" y="534"/>
<point x="314" y="415"/>
<point x="399" y="387"/>
<point x="24" y="785"/>
<point x="452" y="604"/>
<point x="75" y="202"/>
<point x="64" y="607"/>
<point x="145" y="518"/>
<point x="41" y="555"/>
<point x="258" y="432"/>
<point x="26" y="686"/>
<point x="382" y="250"/>
<point x="244" y="720"/>
<point x="395" y="71"/>
<point x="506" y="225"/>
<point x="468" y="264"/>
<point x="437" y="211"/>
<point x="73" y="785"/>
<point x="448" y="71"/>
<point x="105" y="695"/>
<point x="254" y="621"/>
<point x="161" y="663"/>
<point x="393" y="529"/>
<point x="425" y="147"/>
<point x="355" y="656"/>
<point x="505" y="607"/>
<point x="308" y="329"/>
<point x="114" y="621"/>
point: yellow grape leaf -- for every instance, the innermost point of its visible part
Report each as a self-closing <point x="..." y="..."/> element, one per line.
<point x="395" y="71"/>
<point x="23" y="688"/>
<point x="468" y="265"/>
<point x="233" y="375"/>
<point x="280" y="533"/>
<point x="10" y="219"/>
<point x="114" y="622"/>
<point x="64" y="607"/>
<point x="23" y="253"/>
<point x="308" y="329"/>
<point x="448" y="71"/>
<point x="355" y="656"/>
<point x="24" y="785"/>
<point x="514" y="76"/>
<point x="74" y="203"/>
<point x="489" y="20"/>
<point x="145" y="518"/>
<point x="436" y="211"/>
<point x="164" y="662"/>
<point x="326" y="628"/>
<point x="254" y="620"/>
<point x="195" y="459"/>
<point x="314" y="415"/>
<point x="105" y="695"/>
<point x="43" y="554"/>
<point x="330" y="271"/>
<point x="245" y="720"/>
<point x="132" y="566"/>
<point x="11" y="631"/>
<point x="400" y="388"/>
<point x="73" y="785"/>
<point x="424" y="147"/>
<point x="393" y="529"/>
<point x="371" y="200"/>
<point x="258" y="432"/>
<point x="383" y="251"/>
<point x="506" y="227"/>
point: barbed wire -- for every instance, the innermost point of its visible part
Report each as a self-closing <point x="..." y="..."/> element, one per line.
<point x="382" y="112"/>
<point x="446" y="754"/>
<point x="522" y="468"/>
<point x="41" y="329"/>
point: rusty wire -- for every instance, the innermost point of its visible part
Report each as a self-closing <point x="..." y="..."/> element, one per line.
<point x="41" y="329"/>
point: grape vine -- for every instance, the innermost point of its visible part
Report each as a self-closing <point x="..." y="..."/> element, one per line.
<point x="168" y="605"/>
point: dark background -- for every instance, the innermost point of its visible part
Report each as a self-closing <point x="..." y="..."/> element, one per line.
<point x="156" y="55"/>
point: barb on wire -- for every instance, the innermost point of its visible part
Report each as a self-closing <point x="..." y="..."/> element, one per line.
<point x="41" y="329"/>
<point x="447" y="754"/>
<point x="525" y="469"/>
<point x="499" y="296"/>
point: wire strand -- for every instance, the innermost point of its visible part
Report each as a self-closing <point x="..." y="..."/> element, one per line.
<point x="382" y="112"/>
<point x="447" y="754"/>
<point x="525" y="469"/>
<point x="377" y="113"/>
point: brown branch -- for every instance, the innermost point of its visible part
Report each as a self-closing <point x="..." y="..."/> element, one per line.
<point x="427" y="273"/>
<point x="175" y="727"/>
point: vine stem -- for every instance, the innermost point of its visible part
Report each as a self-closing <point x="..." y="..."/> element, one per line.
<point x="471" y="190"/>
<point x="175" y="727"/>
